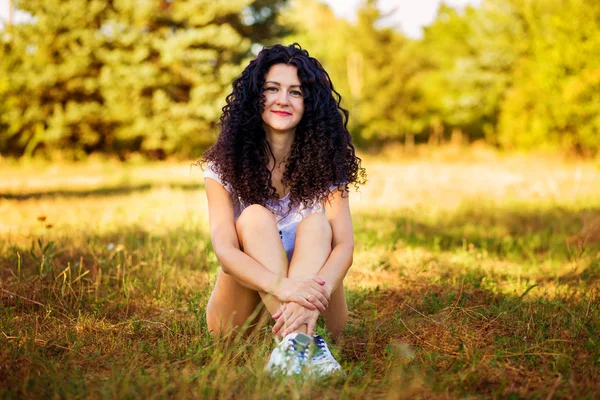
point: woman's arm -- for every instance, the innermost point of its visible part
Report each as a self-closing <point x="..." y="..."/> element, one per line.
<point x="243" y="268"/>
<point x="337" y="209"/>
<point x="226" y="245"/>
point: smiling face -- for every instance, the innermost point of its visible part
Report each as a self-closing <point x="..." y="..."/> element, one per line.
<point x="284" y="100"/>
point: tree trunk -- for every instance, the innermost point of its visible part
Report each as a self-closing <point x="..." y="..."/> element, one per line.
<point x="409" y="142"/>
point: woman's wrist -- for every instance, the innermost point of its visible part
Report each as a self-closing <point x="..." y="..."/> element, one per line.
<point x="274" y="285"/>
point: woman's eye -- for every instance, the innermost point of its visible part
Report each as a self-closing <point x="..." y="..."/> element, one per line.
<point x="296" y="93"/>
<point x="271" y="89"/>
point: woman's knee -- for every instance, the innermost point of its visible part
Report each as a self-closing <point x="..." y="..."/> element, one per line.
<point x="315" y="223"/>
<point x="253" y="217"/>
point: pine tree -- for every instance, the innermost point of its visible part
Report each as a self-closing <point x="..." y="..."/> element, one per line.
<point x="123" y="76"/>
<point x="373" y="68"/>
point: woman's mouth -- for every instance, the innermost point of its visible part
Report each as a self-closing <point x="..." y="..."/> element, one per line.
<point x="282" y="113"/>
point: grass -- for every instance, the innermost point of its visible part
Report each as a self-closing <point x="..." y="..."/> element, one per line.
<point x="472" y="279"/>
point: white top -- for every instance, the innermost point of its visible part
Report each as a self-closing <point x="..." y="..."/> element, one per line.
<point x="285" y="223"/>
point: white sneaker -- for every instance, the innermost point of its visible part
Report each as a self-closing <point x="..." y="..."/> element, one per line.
<point x="322" y="362"/>
<point x="290" y="356"/>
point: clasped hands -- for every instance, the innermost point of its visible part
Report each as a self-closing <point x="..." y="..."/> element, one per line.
<point x="303" y="298"/>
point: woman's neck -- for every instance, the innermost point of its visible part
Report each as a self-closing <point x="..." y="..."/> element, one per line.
<point x="281" y="145"/>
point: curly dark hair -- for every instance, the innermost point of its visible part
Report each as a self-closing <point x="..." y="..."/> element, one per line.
<point x="322" y="154"/>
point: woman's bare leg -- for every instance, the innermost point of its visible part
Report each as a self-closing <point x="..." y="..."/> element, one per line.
<point x="231" y="304"/>
<point x="336" y="315"/>
<point x="311" y="250"/>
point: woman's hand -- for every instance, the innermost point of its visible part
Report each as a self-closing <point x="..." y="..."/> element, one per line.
<point x="292" y="316"/>
<point x="307" y="291"/>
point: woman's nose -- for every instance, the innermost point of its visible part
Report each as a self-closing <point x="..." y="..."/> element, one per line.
<point x="282" y="98"/>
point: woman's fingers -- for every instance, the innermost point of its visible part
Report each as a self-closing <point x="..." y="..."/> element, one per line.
<point x="304" y="286"/>
<point x="282" y="321"/>
<point x="304" y="302"/>
<point x="279" y="311"/>
<point x="279" y="333"/>
<point x="320" y="297"/>
<point x="295" y="325"/>
<point x="278" y="325"/>
<point x="291" y="316"/>
<point x="321" y="290"/>
<point x="319" y="303"/>
<point x="310" y="327"/>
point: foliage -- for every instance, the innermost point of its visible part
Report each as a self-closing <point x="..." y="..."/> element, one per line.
<point x="514" y="73"/>
<point x="520" y="74"/>
<point x="555" y="96"/>
<point x="373" y="68"/>
<point x="472" y="55"/>
<point x="98" y="75"/>
<point x="126" y="76"/>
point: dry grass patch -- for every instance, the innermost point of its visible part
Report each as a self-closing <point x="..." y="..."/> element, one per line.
<point x="472" y="279"/>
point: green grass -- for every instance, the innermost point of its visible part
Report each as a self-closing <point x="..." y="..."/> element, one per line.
<point x="469" y="291"/>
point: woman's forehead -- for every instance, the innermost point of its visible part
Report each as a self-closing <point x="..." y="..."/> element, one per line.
<point x="283" y="74"/>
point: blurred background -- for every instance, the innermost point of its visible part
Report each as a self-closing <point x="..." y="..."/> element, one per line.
<point x="149" y="77"/>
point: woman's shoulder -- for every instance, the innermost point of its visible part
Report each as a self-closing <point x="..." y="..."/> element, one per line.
<point x="211" y="171"/>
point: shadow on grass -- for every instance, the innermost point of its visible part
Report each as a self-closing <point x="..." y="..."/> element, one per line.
<point x="548" y="235"/>
<point x="459" y="339"/>
<point x="135" y="298"/>
<point x="106" y="191"/>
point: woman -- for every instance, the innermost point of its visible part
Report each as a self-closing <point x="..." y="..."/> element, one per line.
<point x="277" y="182"/>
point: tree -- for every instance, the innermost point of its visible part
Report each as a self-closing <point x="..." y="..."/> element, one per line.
<point x="127" y="75"/>
<point x="555" y="99"/>
<point x="517" y="73"/>
<point x="473" y="54"/>
<point x="373" y="68"/>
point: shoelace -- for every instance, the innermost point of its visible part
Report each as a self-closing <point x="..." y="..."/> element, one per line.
<point x="321" y="349"/>
<point x="293" y="347"/>
<point x="320" y="342"/>
<point x="323" y="357"/>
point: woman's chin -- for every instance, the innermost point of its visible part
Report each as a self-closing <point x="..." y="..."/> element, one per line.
<point x="281" y="129"/>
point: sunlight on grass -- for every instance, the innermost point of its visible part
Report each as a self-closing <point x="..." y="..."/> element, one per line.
<point x="470" y="278"/>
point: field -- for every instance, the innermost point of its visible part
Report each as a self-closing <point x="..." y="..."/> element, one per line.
<point x="474" y="276"/>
